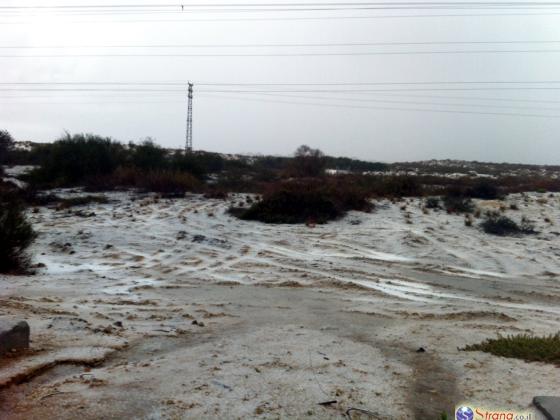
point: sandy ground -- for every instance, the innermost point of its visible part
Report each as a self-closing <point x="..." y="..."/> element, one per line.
<point x="155" y="308"/>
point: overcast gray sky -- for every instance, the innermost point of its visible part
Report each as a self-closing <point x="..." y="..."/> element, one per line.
<point x="374" y="125"/>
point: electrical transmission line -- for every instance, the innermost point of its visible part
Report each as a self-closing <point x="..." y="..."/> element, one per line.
<point x="282" y="45"/>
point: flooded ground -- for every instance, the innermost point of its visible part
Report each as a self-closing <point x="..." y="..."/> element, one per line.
<point x="171" y="308"/>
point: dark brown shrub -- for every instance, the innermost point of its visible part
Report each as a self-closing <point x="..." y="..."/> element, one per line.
<point x="305" y="201"/>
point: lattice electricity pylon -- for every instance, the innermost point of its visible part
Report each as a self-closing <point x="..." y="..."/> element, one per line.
<point x="188" y="146"/>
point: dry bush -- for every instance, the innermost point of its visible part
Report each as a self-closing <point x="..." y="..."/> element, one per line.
<point x="306" y="201"/>
<point x="66" y="203"/>
<point x="217" y="194"/>
<point x="496" y="224"/>
<point x="160" y="181"/>
<point x="458" y="204"/>
<point x="433" y="203"/>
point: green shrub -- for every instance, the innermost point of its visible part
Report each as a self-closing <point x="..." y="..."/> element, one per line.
<point x="162" y="181"/>
<point x="432" y="203"/>
<point x="523" y="346"/>
<point x="401" y="186"/>
<point x="16" y="234"/>
<point x="168" y="182"/>
<point x="147" y="155"/>
<point x="6" y="144"/>
<point x="496" y="224"/>
<point x="484" y="190"/>
<point x="307" y="162"/>
<point x="69" y="161"/>
<point x="305" y="201"/>
<point x="197" y="165"/>
<point x="458" y="204"/>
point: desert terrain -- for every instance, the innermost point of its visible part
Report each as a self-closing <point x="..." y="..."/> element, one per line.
<point x="147" y="307"/>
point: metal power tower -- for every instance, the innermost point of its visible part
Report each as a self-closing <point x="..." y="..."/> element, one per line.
<point x="188" y="146"/>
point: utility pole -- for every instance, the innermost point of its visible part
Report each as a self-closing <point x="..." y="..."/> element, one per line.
<point x="188" y="146"/>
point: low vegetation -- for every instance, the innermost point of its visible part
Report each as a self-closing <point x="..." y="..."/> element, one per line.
<point x="305" y="201"/>
<point x="65" y="203"/>
<point x="483" y="190"/>
<point x="523" y="346"/>
<point x="101" y="163"/>
<point x="458" y="204"/>
<point x="154" y="180"/>
<point x="498" y="224"/>
<point x="6" y="143"/>
<point x="433" y="203"/>
<point x="16" y="234"/>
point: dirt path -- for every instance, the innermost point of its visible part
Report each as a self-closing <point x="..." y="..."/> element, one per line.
<point x="254" y="309"/>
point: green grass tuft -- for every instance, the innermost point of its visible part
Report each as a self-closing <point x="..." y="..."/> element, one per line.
<point x="523" y="346"/>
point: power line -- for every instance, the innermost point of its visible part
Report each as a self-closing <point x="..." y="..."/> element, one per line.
<point x="383" y="90"/>
<point x="388" y="108"/>
<point x="471" y="98"/>
<point x="369" y="100"/>
<point x="267" y="10"/>
<point x="295" y="54"/>
<point x="279" y="45"/>
<point x="292" y="18"/>
<point x="179" y="6"/>
<point x="330" y="105"/>
<point x="280" y="91"/>
<point x="132" y="95"/>
<point x="260" y="84"/>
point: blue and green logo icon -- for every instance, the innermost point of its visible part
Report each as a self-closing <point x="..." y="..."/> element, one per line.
<point x="464" y="413"/>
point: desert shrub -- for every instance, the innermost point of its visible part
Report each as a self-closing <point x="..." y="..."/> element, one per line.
<point x="458" y="204"/>
<point x="402" y="186"/>
<point x="484" y="190"/>
<point x="6" y="144"/>
<point x="65" y="203"/>
<point x="523" y="346"/>
<point x="354" y="165"/>
<point x="305" y="201"/>
<point x="515" y="184"/>
<point x="307" y="162"/>
<point x="16" y="234"/>
<point x="163" y="181"/>
<point x="496" y="224"/>
<point x="69" y="161"/>
<point x="217" y="194"/>
<point x="188" y="162"/>
<point x="432" y="203"/>
<point x="212" y="162"/>
<point x="147" y="155"/>
<point x="168" y="182"/>
<point x="386" y="185"/>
